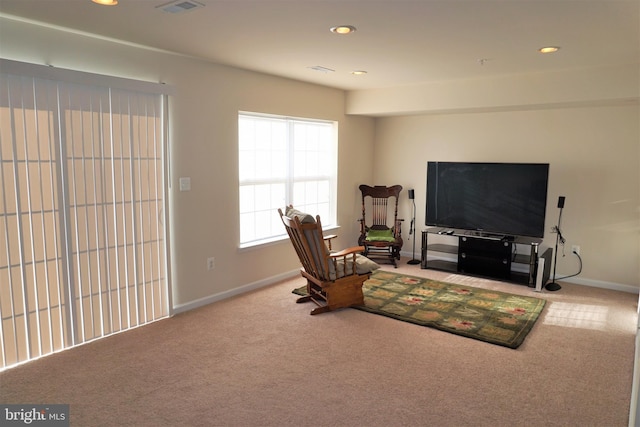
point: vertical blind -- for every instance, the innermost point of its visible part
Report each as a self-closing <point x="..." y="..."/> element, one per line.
<point x="82" y="197"/>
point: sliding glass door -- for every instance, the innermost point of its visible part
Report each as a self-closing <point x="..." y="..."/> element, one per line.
<point x="82" y="197"/>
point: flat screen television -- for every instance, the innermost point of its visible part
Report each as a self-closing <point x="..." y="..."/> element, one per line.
<point x="508" y="199"/>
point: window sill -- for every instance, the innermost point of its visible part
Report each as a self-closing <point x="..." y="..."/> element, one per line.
<point x="244" y="247"/>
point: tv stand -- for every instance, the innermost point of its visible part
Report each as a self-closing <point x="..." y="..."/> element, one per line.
<point x="484" y="254"/>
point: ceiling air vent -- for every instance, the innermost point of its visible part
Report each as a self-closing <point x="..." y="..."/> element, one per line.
<point x="180" y="6"/>
<point x="321" y="69"/>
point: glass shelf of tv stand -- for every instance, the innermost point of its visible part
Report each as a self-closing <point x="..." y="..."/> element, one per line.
<point x="521" y="240"/>
<point x="448" y="263"/>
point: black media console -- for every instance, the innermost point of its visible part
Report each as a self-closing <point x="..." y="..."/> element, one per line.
<point x="488" y="255"/>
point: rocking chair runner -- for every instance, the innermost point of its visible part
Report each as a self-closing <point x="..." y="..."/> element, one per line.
<point x="380" y="227"/>
<point x="334" y="279"/>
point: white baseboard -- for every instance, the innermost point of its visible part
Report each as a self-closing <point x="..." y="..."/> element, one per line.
<point x="274" y="279"/>
<point x="233" y="292"/>
<point x="600" y="284"/>
<point x="575" y="280"/>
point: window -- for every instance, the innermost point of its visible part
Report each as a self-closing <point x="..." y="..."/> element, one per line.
<point x="284" y="161"/>
<point x="82" y="235"/>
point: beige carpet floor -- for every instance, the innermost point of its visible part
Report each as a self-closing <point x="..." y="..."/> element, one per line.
<point x="259" y="359"/>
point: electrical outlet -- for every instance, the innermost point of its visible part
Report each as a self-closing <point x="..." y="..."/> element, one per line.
<point x="211" y="263"/>
<point x="576" y="249"/>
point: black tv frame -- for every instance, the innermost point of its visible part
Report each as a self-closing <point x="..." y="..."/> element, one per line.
<point x="492" y="199"/>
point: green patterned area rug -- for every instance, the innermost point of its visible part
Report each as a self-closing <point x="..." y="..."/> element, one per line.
<point x="491" y="316"/>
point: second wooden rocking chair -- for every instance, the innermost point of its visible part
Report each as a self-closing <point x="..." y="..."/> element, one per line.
<point x="380" y="227"/>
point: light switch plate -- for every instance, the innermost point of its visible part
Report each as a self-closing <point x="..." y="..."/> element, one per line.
<point x="185" y="184"/>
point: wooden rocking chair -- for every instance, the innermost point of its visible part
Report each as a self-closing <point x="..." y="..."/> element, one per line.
<point x="334" y="279"/>
<point x="380" y="228"/>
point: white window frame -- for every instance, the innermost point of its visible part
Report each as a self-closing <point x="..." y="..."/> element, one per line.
<point x="291" y="165"/>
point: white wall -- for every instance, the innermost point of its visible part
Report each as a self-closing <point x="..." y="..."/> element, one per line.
<point x="203" y="134"/>
<point x="594" y="154"/>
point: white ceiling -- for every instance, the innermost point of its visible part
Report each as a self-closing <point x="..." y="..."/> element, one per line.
<point x="398" y="42"/>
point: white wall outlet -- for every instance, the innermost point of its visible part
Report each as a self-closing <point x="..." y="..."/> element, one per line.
<point x="211" y="263"/>
<point x="576" y="249"/>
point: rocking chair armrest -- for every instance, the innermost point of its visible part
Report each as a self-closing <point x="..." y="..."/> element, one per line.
<point x="397" y="230"/>
<point x="363" y="227"/>
<point x="328" y="239"/>
<point x="348" y="251"/>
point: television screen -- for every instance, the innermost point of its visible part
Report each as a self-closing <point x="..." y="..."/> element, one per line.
<point x="495" y="198"/>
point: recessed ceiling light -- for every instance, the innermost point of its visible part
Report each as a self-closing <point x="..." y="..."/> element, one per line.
<point x="343" y="29"/>
<point x="358" y="72"/>
<point x="106" y="2"/>
<point x="549" y="49"/>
